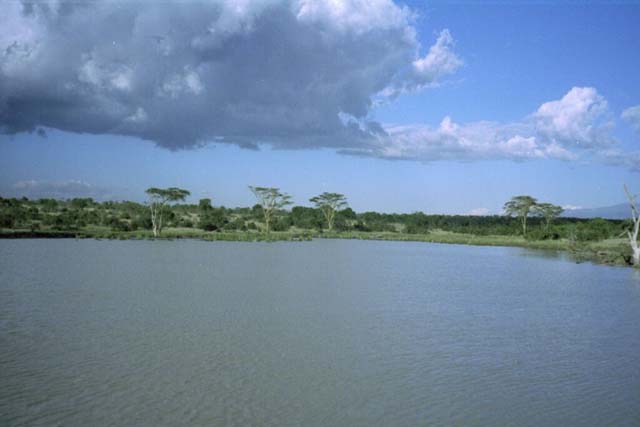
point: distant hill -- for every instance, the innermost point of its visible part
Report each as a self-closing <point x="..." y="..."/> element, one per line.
<point x="620" y="211"/>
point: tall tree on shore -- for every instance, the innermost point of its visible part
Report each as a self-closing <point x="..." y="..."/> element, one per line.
<point x="547" y="211"/>
<point x="271" y="200"/>
<point x="633" y="233"/>
<point x="159" y="198"/>
<point x="520" y="206"/>
<point x="329" y="204"/>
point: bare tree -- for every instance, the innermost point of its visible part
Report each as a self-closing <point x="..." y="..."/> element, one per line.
<point x="633" y="233"/>
<point x="520" y="206"/>
<point x="547" y="211"/>
<point x="271" y="200"/>
<point x="159" y="198"/>
<point x="329" y="204"/>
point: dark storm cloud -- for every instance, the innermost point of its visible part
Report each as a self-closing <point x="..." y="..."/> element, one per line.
<point x="187" y="73"/>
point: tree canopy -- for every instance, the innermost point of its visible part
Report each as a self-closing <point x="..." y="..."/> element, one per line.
<point x="166" y="195"/>
<point x="158" y="199"/>
<point x="329" y="203"/>
<point x="548" y="211"/>
<point x="271" y="200"/>
<point x="520" y="206"/>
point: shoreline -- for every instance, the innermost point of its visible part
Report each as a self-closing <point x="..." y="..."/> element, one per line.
<point x="611" y="252"/>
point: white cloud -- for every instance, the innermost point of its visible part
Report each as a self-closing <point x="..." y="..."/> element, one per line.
<point x="470" y="141"/>
<point x="425" y="72"/>
<point x="632" y="116"/>
<point x="479" y="212"/>
<point x="564" y="129"/>
<point x="358" y="16"/>
<point x="578" y="119"/>
<point x="439" y="62"/>
<point x="571" y="207"/>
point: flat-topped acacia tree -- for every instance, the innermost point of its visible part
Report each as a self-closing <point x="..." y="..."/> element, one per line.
<point x="159" y="198"/>
<point x="547" y="211"/>
<point x="329" y="204"/>
<point x="635" y="227"/>
<point x="271" y="200"/>
<point x="520" y="206"/>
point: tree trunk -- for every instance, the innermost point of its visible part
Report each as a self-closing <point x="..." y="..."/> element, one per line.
<point x="636" y="255"/>
<point x="330" y="220"/>
<point x="633" y="234"/>
<point x="524" y="225"/>
<point x="156" y="219"/>
<point x="633" y="241"/>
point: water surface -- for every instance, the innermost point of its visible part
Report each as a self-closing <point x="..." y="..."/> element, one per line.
<point x="329" y="332"/>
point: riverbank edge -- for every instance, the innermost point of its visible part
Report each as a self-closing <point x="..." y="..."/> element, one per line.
<point x="611" y="252"/>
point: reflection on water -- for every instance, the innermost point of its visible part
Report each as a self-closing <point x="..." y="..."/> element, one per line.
<point x="313" y="333"/>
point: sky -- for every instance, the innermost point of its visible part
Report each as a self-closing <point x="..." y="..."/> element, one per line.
<point x="437" y="107"/>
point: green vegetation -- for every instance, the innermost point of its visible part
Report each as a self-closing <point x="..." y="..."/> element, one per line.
<point x="159" y="198"/>
<point x="329" y="204"/>
<point x="520" y="206"/>
<point x="547" y="211"/>
<point x="271" y="201"/>
<point x="587" y="239"/>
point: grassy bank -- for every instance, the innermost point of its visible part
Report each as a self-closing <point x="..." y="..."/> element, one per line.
<point x="610" y="251"/>
<point x="167" y="234"/>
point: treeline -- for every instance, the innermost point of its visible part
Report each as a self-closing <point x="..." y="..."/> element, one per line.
<point x="84" y="213"/>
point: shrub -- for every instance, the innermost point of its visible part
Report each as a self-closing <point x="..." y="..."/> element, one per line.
<point x="595" y="229"/>
<point x="213" y="220"/>
<point x="142" y="222"/>
<point x="542" y="234"/>
<point x="236" y="224"/>
<point x="281" y="224"/>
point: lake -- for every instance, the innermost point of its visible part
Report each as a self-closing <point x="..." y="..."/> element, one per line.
<point x="321" y="333"/>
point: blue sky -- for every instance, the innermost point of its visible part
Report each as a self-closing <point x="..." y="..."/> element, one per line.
<point x="473" y="103"/>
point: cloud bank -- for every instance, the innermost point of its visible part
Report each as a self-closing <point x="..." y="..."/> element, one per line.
<point x="562" y="129"/>
<point x="293" y="74"/>
<point x="183" y="74"/>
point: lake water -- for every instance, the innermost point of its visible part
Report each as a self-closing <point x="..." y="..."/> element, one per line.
<point x="322" y="333"/>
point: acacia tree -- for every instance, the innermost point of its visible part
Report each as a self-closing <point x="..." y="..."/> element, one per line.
<point x="271" y="200"/>
<point x="329" y="204"/>
<point x="520" y="206"/>
<point x="159" y="198"/>
<point x="633" y="233"/>
<point x="547" y="211"/>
